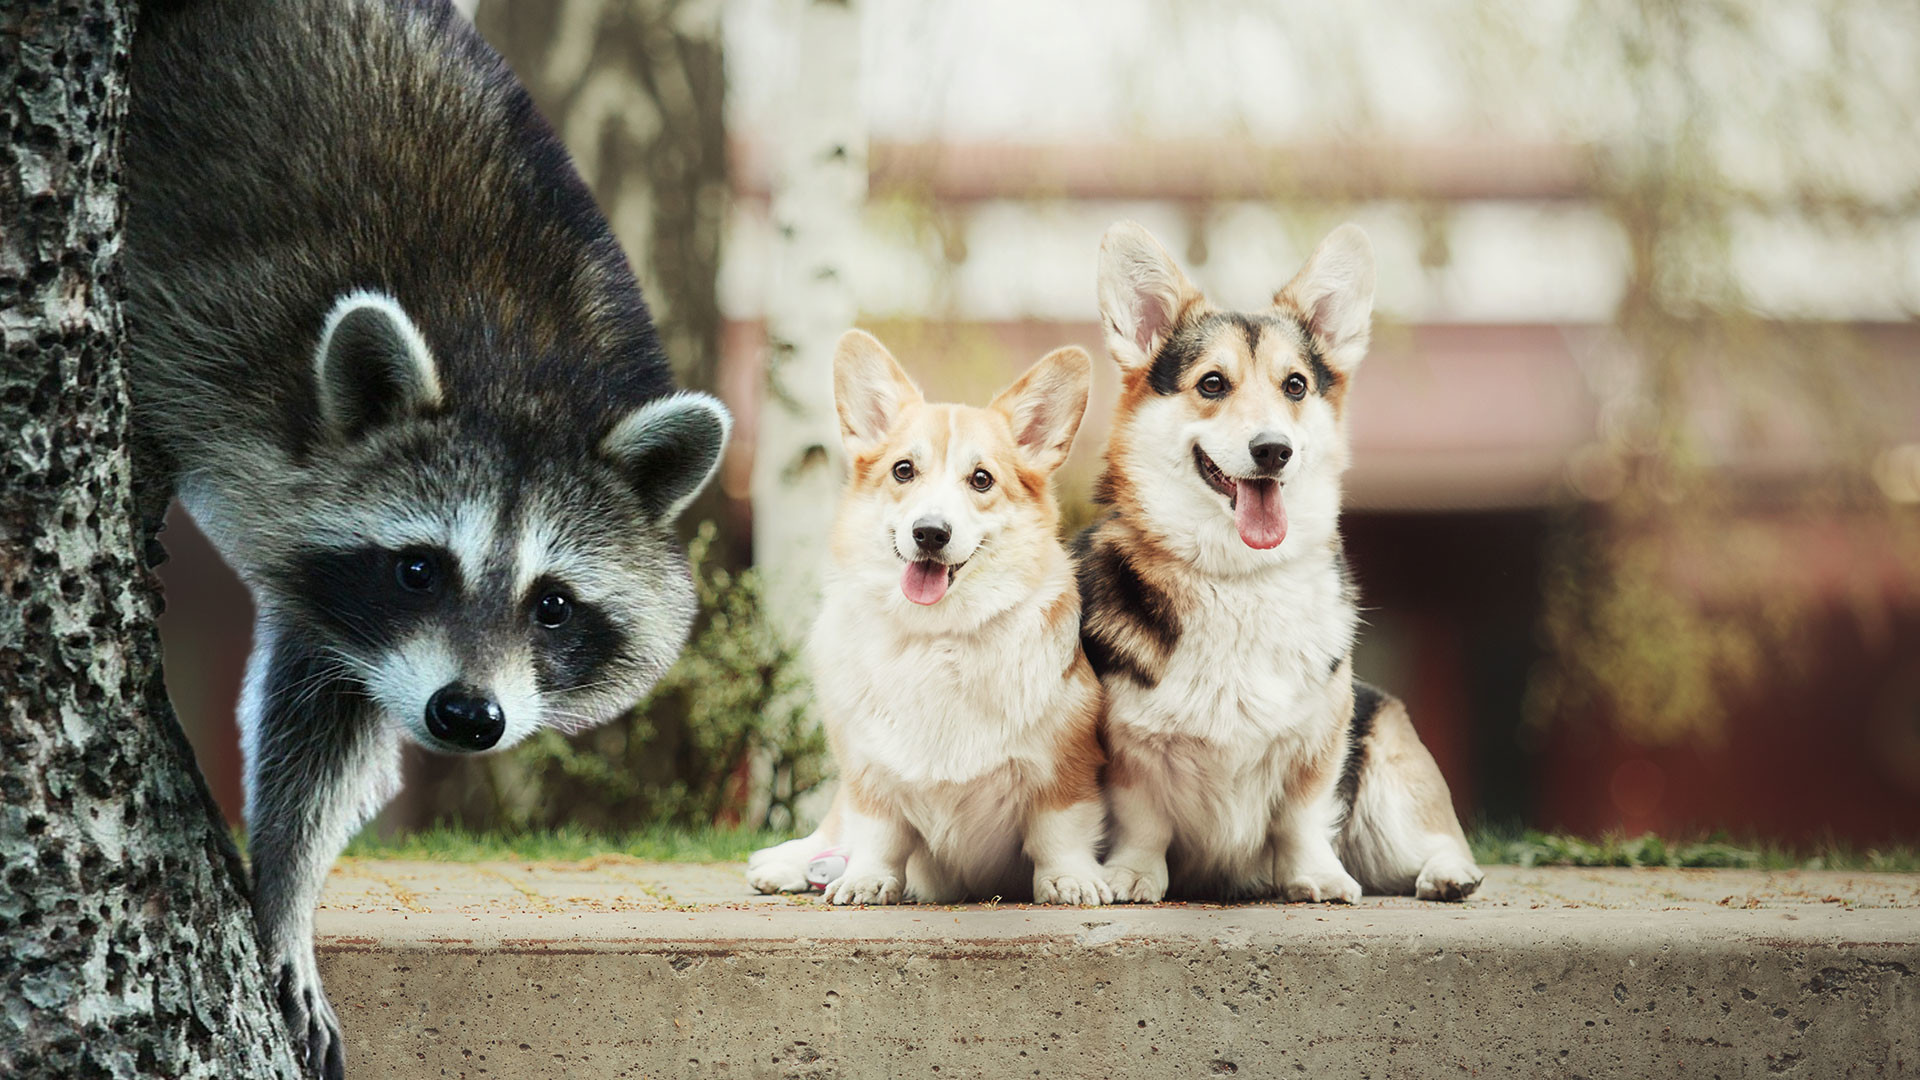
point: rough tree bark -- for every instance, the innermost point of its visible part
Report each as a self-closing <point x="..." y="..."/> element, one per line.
<point x="126" y="943"/>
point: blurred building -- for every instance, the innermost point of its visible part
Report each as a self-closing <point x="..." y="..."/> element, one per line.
<point x="1634" y="300"/>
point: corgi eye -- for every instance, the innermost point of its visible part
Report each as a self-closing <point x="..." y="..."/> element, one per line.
<point x="903" y="470"/>
<point x="415" y="571"/>
<point x="1295" y="386"/>
<point x="981" y="480"/>
<point x="1213" y="385"/>
<point x="553" y="610"/>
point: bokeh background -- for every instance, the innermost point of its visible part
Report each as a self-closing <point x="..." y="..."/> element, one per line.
<point x="1635" y="506"/>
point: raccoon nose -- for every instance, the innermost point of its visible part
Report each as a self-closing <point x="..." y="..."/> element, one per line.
<point x="1270" y="452"/>
<point x="464" y="718"/>
<point x="931" y="534"/>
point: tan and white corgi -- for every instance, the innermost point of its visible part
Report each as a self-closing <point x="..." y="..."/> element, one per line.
<point x="963" y="716"/>
<point x="1246" y="761"/>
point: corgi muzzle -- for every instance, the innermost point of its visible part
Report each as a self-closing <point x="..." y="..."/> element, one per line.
<point x="1258" y="511"/>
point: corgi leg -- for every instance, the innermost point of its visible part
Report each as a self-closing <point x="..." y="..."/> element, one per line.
<point x="878" y="847"/>
<point x="1136" y="869"/>
<point x="1402" y="836"/>
<point x="1061" y="842"/>
<point x="1305" y="867"/>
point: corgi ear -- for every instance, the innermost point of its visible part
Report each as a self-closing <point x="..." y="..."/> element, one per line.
<point x="1333" y="297"/>
<point x="372" y="366"/>
<point x="1142" y="294"/>
<point x="869" y="390"/>
<point x="1045" y="406"/>
<point x="669" y="448"/>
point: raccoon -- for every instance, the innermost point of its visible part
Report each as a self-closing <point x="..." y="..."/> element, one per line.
<point x="387" y="353"/>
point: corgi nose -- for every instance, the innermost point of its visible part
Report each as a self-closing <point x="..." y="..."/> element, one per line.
<point x="1270" y="452"/>
<point x="465" y="719"/>
<point x="931" y="534"/>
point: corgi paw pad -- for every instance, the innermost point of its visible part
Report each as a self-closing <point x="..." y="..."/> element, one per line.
<point x="1130" y="886"/>
<point x="1073" y="889"/>
<point x="1448" y="877"/>
<point x="1326" y="886"/>
<point x="864" y="889"/>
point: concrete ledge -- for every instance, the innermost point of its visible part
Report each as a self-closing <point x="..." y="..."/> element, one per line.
<point x="617" y="968"/>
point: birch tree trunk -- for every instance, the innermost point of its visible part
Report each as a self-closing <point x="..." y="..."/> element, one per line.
<point x="819" y="188"/>
<point x="126" y="943"/>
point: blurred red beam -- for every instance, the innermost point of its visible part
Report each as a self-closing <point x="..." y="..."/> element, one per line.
<point x="1207" y="170"/>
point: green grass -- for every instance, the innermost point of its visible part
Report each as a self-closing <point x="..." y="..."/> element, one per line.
<point x="445" y="844"/>
<point x="1494" y="846"/>
<point x="1491" y="845"/>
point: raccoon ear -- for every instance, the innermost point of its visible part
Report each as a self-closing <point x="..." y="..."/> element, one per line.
<point x="1142" y="294"/>
<point x="669" y="448"/>
<point x="1045" y="406"/>
<point x="372" y="366"/>
<point x="1333" y="296"/>
<point x="870" y="389"/>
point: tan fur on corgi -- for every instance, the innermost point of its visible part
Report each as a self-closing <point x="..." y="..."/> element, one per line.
<point x="1246" y="761"/>
<point x="962" y="714"/>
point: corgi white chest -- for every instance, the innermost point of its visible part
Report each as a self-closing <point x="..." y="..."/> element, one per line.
<point x="1252" y="662"/>
<point x="942" y="709"/>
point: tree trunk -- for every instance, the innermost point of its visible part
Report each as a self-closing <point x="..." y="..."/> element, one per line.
<point x="636" y="89"/>
<point x="126" y="941"/>
<point x="819" y="188"/>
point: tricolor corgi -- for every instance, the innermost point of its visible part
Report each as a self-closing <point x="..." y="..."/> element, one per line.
<point x="963" y="716"/>
<point x="1246" y="761"/>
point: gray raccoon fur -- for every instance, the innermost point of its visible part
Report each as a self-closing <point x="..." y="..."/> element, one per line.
<point x="386" y="351"/>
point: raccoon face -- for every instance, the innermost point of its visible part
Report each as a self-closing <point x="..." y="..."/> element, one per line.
<point x="483" y="579"/>
<point x="1232" y="429"/>
<point x="948" y="511"/>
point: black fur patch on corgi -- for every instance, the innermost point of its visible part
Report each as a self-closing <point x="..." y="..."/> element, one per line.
<point x="1366" y="705"/>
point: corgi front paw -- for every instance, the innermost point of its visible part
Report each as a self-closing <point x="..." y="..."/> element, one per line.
<point x="779" y="876"/>
<point x="1330" y="885"/>
<point x="1071" y="888"/>
<point x="864" y="889"/>
<point x="1448" y="877"/>
<point x="1137" y="885"/>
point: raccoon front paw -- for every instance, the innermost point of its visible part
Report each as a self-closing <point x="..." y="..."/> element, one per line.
<point x="864" y="889"/>
<point x="1331" y="885"/>
<point x="311" y="1022"/>
<point x="1449" y="876"/>
<point x="1071" y="888"/>
<point x="1136" y="885"/>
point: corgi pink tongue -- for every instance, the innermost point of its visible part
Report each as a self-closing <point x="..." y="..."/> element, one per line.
<point x="1258" y="513"/>
<point x="925" y="582"/>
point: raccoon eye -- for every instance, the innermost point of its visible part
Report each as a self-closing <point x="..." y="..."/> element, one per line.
<point x="1213" y="385"/>
<point x="1295" y="386"/>
<point x="981" y="480"/>
<point x="903" y="470"/>
<point x="553" y="610"/>
<point x="415" y="571"/>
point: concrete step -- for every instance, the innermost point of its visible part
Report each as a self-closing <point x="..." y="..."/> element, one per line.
<point x="618" y="968"/>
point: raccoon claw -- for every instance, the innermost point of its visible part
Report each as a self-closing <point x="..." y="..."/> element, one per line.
<point x="864" y="889"/>
<point x="1326" y="886"/>
<point x="1131" y="886"/>
<point x="1448" y="877"/>
<point x="312" y="1023"/>
<point x="1076" y="890"/>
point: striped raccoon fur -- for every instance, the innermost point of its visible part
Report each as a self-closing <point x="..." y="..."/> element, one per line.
<point x="1245" y="761"/>
<point x="386" y="351"/>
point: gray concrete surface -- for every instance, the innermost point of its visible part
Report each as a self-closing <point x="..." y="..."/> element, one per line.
<point x="616" y="968"/>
